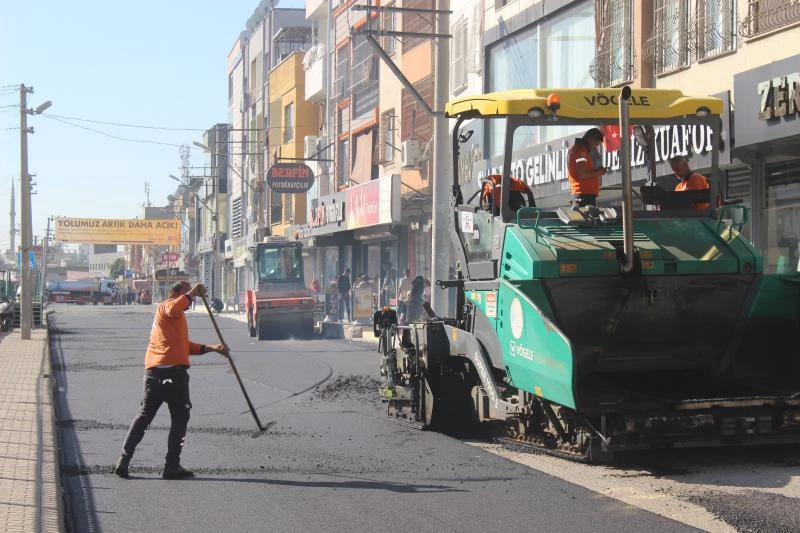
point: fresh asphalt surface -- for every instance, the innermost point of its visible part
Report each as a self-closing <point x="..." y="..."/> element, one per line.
<point x="331" y="463"/>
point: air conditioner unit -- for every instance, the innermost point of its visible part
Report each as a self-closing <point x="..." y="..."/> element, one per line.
<point x="409" y="153"/>
<point x="310" y="146"/>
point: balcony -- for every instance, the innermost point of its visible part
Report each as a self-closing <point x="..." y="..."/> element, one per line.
<point x="313" y="63"/>
<point x="315" y="8"/>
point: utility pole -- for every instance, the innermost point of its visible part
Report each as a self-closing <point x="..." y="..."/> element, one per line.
<point x="442" y="179"/>
<point x="26" y="307"/>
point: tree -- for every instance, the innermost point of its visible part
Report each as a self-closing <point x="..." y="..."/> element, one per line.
<point x="117" y="268"/>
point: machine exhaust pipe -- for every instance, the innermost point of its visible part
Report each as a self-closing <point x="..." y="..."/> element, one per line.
<point x="627" y="183"/>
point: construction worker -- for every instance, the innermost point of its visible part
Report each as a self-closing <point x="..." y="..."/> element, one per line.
<point x="582" y="171"/>
<point x="166" y="378"/>
<point x="689" y="180"/>
<point x="520" y="195"/>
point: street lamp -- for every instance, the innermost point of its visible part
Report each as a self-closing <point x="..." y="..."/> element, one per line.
<point x="26" y="292"/>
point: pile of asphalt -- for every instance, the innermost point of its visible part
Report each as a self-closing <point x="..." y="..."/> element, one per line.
<point x="350" y="387"/>
<point x="751" y="511"/>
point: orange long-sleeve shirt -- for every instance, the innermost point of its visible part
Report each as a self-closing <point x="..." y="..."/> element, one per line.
<point x="169" y="337"/>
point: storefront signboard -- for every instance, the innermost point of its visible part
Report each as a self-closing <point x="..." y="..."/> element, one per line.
<point x="544" y="166"/>
<point x="767" y="102"/>
<point x="362" y="304"/>
<point x="161" y="232"/>
<point x="326" y="215"/>
<point x="375" y="202"/>
<point x="290" y="178"/>
<point x="240" y="250"/>
<point x="331" y="304"/>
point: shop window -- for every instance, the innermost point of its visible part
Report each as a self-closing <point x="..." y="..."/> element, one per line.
<point x="782" y="217"/>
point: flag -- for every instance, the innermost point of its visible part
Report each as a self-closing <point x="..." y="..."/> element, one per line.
<point x="612" y="137"/>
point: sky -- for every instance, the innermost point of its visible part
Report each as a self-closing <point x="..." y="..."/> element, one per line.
<point x="149" y="63"/>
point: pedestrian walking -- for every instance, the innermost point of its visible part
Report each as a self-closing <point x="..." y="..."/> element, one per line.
<point x="345" y="288"/>
<point x="166" y="378"/>
<point x="403" y="292"/>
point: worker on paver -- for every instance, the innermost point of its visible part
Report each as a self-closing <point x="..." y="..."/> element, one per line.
<point x="166" y="378"/>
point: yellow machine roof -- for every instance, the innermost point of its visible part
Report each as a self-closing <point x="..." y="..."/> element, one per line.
<point x="588" y="104"/>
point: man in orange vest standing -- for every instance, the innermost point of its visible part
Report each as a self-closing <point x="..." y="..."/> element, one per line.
<point x="166" y="378"/>
<point x="583" y="174"/>
<point x="689" y="180"/>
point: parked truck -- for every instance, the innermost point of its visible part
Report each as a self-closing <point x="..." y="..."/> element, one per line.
<point x="83" y="291"/>
<point x="280" y="304"/>
<point x="587" y="331"/>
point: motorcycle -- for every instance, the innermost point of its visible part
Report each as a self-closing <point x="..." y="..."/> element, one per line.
<point x="6" y="314"/>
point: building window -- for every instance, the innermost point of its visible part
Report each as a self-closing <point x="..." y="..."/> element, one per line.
<point x="237" y="226"/>
<point x="389" y="24"/>
<point x="667" y="49"/>
<point x="341" y="84"/>
<point x="388" y="143"/>
<point x="715" y="22"/>
<point x="768" y="15"/>
<point x="230" y="87"/>
<point x="559" y="52"/>
<point x="343" y="163"/>
<point x="613" y="64"/>
<point x="459" y="56"/>
<point x="276" y="209"/>
<point x="288" y="123"/>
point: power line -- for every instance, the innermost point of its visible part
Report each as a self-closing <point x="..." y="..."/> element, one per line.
<point x="121" y="124"/>
<point x="51" y="117"/>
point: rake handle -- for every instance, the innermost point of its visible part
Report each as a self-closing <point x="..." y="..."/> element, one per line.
<point x="233" y="366"/>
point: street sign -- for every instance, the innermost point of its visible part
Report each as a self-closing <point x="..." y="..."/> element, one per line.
<point x="290" y="178"/>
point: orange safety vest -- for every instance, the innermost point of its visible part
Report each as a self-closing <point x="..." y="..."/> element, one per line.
<point x="578" y="154"/>
<point x="695" y="182"/>
<point x="493" y="182"/>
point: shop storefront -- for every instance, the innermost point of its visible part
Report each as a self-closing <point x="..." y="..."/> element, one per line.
<point x="767" y="128"/>
<point x="356" y="229"/>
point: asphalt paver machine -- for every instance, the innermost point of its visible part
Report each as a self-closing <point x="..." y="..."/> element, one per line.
<point x="587" y="331"/>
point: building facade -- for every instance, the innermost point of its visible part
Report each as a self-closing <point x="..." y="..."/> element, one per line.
<point x="270" y="35"/>
<point x="747" y="52"/>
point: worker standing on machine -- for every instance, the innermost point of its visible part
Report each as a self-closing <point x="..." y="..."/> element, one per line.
<point x="689" y="179"/>
<point x="583" y="174"/>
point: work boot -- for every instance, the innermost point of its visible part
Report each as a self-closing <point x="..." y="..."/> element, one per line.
<point x="121" y="468"/>
<point x="176" y="472"/>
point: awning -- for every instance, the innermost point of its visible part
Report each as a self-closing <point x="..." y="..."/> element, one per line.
<point x="362" y="163"/>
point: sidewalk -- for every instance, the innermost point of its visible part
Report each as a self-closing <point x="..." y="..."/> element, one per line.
<point x="30" y="489"/>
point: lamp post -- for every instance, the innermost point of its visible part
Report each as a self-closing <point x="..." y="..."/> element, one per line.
<point x="26" y="283"/>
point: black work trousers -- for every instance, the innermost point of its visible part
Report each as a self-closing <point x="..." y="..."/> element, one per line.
<point x="170" y="385"/>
